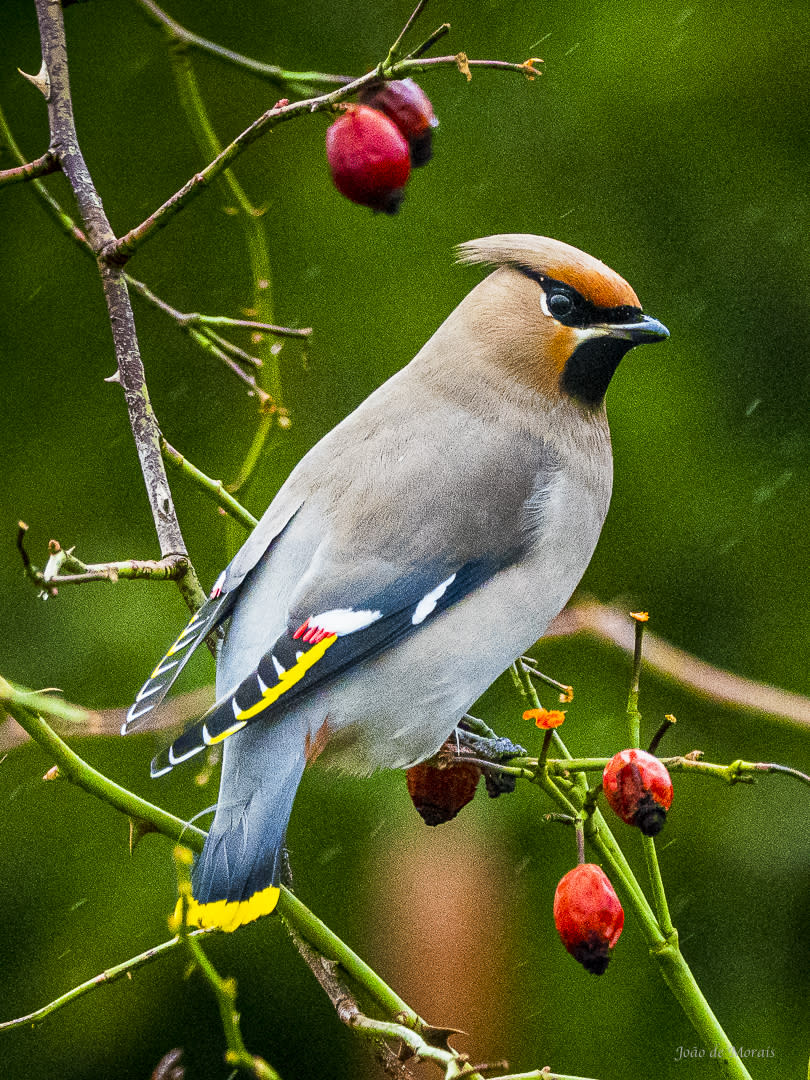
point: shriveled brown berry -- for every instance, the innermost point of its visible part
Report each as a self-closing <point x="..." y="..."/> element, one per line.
<point x="369" y="158"/>
<point x="439" y="793"/>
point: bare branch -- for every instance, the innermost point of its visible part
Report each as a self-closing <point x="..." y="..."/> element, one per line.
<point x="99" y="233"/>
<point x="290" y="80"/>
<point x="41" y="166"/>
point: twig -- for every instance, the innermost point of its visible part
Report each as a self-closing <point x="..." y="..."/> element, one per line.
<point x="633" y="715"/>
<point x="266" y="402"/>
<point x="41" y="166"/>
<point x="289" y="907"/>
<point x="271" y="72"/>
<point x="396" y="48"/>
<point x="668" y="722"/>
<point x="190" y="324"/>
<point x="104" y="978"/>
<point x="268" y="379"/>
<point x="73" y="768"/>
<point x="326" y="973"/>
<point x="65" y="146"/>
<point x="214" y="488"/>
<point x="429" y="42"/>
<point x="120" y="250"/>
<point x="566" y="691"/>
<point x="63" y="568"/>
<point x="249" y="324"/>
<point x="70" y="228"/>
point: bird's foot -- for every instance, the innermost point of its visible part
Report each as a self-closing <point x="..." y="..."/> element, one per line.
<point x="489" y="750"/>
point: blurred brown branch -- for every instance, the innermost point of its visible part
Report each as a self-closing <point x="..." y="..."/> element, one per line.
<point x="601" y="621"/>
<point x="611" y="625"/>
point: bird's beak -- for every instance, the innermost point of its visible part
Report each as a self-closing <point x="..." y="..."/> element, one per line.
<point x="643" y="331"/>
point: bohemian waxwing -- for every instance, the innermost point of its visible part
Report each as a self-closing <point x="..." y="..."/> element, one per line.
<point x="410" y="557"/>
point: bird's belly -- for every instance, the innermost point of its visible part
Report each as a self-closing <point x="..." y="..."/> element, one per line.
<point x="398" y="708"/>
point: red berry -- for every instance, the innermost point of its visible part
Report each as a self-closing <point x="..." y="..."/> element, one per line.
<point x="588" y="916"/>
<point x="439" y="794"/>
<point x="639" y="789"/>
<point x="368" y="157"/>
<point x="406" y="103"/>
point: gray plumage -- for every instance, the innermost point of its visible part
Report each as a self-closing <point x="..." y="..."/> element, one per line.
<point x="470" y="461"/>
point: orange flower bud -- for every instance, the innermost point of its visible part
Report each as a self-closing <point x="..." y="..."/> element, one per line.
<point x="545" y="718"/>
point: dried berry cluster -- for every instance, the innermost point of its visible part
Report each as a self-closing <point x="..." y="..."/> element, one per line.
<point x="372" y="146"/>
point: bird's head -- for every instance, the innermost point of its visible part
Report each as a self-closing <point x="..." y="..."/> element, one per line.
<point x="553" y="317"/>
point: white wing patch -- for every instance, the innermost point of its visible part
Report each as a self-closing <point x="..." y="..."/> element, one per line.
<point x="342" y="621"/>
<point x="428" y="602"/>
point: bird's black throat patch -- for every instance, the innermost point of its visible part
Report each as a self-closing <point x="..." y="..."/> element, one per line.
<point x="589" y="369"/>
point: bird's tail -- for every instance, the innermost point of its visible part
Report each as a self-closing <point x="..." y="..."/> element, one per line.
<point x="237" y="877"/>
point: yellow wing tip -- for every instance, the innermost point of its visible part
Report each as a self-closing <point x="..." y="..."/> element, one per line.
<point x="228" y="915"/>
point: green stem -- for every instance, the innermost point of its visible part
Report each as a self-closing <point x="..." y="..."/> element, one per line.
<point x="215" y="489"/>
<point x="289" y="907"/>
<point x="633" y="714"/>
<point x="104" y="978"/>
<point x="271" y="72"/>
<point x="318" y="934"/>
<point x="662" y="938"/>
<point x="269" y="377"/>
<point x="73" y="768"/>
<point x="657" y="885"/>
<point x="681" y="981"/>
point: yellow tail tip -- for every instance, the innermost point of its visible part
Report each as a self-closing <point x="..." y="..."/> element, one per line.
<point x="228" y="914"/>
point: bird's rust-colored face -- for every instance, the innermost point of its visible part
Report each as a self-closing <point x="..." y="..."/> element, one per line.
<point x="561" y="319"/>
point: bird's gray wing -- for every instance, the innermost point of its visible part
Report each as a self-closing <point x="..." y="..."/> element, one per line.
<point x="213" y="612"/>
<point x="324" y="644"/>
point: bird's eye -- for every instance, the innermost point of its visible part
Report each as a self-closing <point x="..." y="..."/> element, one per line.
<point x="560" y="304"/>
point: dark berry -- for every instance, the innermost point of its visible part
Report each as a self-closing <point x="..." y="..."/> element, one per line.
<point x="406" y="103"/>
<point x="439" y="793"/>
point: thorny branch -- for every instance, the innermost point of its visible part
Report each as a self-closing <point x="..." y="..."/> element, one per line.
<point x="123" y="248"/>
<point x="54" y="82"/>
<point x="405" y="1025"/>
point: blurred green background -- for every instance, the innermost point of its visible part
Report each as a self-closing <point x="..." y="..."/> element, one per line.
<point x="670" y="140"/>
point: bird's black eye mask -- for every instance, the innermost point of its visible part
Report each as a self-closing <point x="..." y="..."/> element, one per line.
<point x="570" y="307"/>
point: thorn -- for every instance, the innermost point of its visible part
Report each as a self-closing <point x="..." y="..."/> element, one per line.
<point x="41" y="81"/>
<point x="116" y="378"/>
<point x="138" y="828"/>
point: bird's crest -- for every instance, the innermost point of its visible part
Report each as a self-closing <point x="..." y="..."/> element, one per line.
<point x="543" y="257"/>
